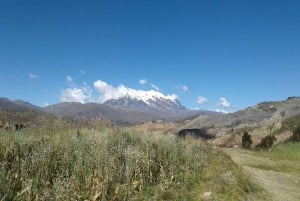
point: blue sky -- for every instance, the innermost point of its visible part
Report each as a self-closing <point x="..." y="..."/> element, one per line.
<point x="226" y="54"/>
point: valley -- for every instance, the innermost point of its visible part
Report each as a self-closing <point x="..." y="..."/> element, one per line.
<point x="74" y="151"/>
<point x="149" y="100"/>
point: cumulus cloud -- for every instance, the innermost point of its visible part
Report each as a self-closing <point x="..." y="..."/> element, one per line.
<point x="143" y="81"/>
<point x="202" y="100"/>
<point x="33" y="76"/>
<point x="156" y="88"/>
<point x="69" y="79"/>
<point x="224" y="102"/>
<point x="220" y="110"/>
<point x="82" y="72"/>
<point x="81" y="94"/>
<point x="102" y="91"/>
<point x="184" y="88"/>
<point x="109" y="92"/>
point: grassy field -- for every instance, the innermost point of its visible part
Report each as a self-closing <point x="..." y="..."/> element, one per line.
<point x="115" y="164"/>
<point x="285" y="157"/>
<point x="287" y="151"/>
<point x="276" y="170"/>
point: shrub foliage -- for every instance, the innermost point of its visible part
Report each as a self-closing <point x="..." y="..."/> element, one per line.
<point x="246" y="140"/>
<point x="267" y="142"/>
<point x="296" y="135"/>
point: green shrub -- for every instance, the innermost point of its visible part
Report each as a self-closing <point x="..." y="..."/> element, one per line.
<point x="246" y="140"/>
<point x="267" y="142"/>
<point x="296" y="135"/>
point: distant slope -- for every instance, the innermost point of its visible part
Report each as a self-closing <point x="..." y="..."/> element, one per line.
<point x="132" y="108"/>
<point x="18" y="105"/>
<point x="262" y="114"/>
<point x="116" y="115"/>
<point x="265" y="118"/>
<point x="19" y="111"/>
<point x="153" y="105"/>
<point x="94" y="110"/>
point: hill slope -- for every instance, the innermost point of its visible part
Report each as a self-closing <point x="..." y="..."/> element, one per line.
<point x="278" y="118"/>
<point x="262" y="114"/>
<point x="117" y="115"/>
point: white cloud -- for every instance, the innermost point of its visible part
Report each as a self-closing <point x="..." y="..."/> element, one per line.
<point x="69" y="79"/>
<point x="82" y="72"/>
<point x="220" y="110"/>
<point x="184" y="88"/>
<point x="82" y="94"/>
<point x="85" y="93"/>
<point x="202" y="100"/>
<point x="33" y="76"/>
<point x="156" y="88"/>
<point x="143" y="81"/>
<point x="109" y="92"/>
<point x="224" y="102"/>
<point x="46" y="104"/>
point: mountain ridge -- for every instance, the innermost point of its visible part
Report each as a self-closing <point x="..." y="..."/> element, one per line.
<point x="264" y="117"/>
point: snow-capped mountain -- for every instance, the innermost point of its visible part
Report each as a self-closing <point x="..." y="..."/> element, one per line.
<point x="151" y="101"/>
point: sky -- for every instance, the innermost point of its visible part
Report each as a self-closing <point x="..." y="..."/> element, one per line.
<point x="209" y="54"/>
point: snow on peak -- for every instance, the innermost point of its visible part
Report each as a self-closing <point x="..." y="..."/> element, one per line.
<point x="109" y="92"/>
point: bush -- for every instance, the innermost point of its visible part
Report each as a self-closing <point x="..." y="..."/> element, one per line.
<point x="267" y="142"/>
<point x="246" y="140"/>
<point x="296" y="135"/>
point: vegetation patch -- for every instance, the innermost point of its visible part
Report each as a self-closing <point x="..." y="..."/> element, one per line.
<point x="114" y="164"/>
<point x="246" y="140"/>
<point x="284" y="157"/>
<point x="267" y="142"/>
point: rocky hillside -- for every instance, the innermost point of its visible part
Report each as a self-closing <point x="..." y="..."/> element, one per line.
<point x="117" y="115"/>
<point x="259" y="120"/>
<point x="98" y="111"/>
<point x="262" y="114"/>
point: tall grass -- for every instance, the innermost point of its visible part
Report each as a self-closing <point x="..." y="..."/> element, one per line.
<point x="285" y="157"/>
<point x="287" y="151"/>
<point x="105" y="165"/>
<point x="113" y="164"/>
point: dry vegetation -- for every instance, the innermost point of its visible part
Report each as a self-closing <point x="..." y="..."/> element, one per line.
<point x="56" y="163"/>
<point x="276" y="170"/>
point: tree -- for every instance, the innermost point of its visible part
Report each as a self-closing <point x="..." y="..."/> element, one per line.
<point x="246" y="140"/>
<point x="296" y="135"/>
<point x="267" y="142"/>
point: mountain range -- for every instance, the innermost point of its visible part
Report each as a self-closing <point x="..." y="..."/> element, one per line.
<point x="267" y="118"/>
<point x="128" y="110"/>
<point x="122" y="111"/>
<point x="262" y="114"/>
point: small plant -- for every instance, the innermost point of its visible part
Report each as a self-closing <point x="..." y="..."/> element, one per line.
<point x="267" y="142"/>
<point x="246" y="140"/>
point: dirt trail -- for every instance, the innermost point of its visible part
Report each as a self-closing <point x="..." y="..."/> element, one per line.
<point x="281" y="186"/>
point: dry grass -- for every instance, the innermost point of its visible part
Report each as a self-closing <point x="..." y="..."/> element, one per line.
<point x="113" y="164"/>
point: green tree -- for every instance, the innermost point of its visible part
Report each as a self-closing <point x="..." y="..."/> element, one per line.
<point x="296" y="134"/>
<point x="267" y="142"/>
<point x="246" y="140"/>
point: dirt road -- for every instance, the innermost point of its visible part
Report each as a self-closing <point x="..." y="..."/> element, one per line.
<point x="282" y="186"/>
